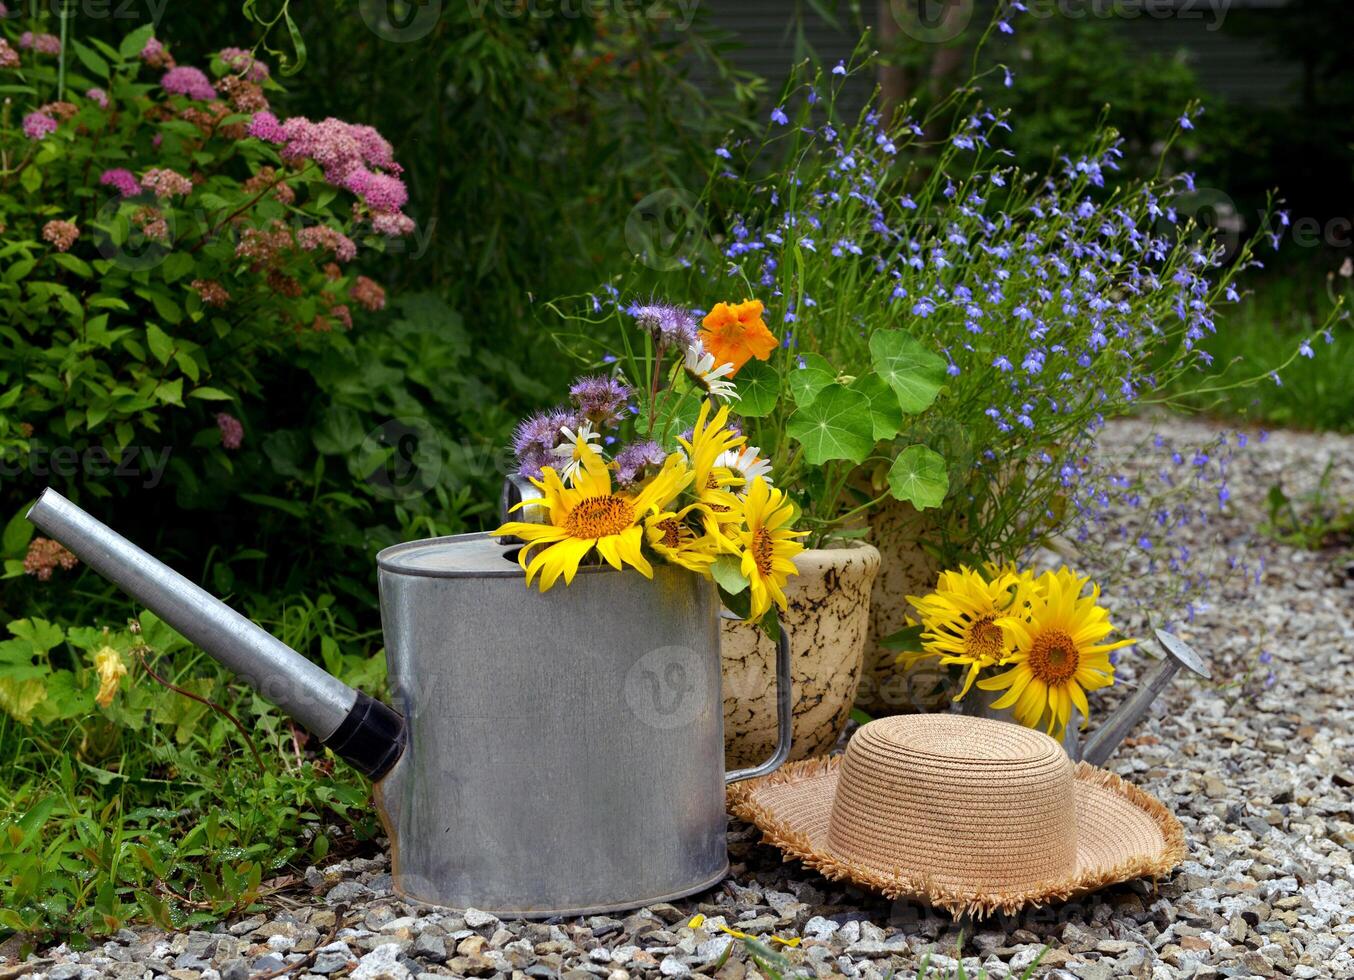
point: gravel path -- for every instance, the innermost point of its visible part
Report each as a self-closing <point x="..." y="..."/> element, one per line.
<point x="1258" y="768"/>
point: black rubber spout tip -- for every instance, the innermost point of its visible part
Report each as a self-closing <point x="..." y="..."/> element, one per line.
<point x="371" y="738"/>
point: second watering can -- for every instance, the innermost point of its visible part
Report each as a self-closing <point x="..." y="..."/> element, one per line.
<point x="552" y="754"/>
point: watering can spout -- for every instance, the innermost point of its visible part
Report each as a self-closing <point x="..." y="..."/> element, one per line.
<point x="1102" y="743"/>
<point x="356" y="726"/>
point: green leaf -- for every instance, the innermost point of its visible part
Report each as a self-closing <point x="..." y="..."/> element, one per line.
<point x="208" y="393"/>
<point x="72" y="264"/>
<point x="91" y="59"/>
<point x="292" y="507"/>
<point x="918" y="475"/>
<point x="885" y="412"/>
<point x="810" y="379"/>
<point x="915" y="373"/>
<point x="18" y="532"/>
<point x="759" y="385"/>
<point x="31" y="179"/>
<point x="40" y="634"/>
<point x="170" y="392"/>
<point x="837" y="425"/>
<point x="131" y="45"/>
<point x="159" y="342"/>
<point x="728" y="574"/>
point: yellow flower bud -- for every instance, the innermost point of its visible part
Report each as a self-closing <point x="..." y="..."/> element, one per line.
<point x="111" y="669"/>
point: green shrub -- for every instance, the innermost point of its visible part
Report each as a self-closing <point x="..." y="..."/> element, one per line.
<point x="184" y="332"/>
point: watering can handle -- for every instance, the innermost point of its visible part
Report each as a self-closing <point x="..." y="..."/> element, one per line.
<point x="784" y="721"/>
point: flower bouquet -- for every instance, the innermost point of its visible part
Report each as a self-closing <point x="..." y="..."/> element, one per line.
<point x="645" y="464"/>
<point x="1037" y="639"/>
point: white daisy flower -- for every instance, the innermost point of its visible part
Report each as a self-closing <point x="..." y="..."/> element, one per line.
<point x="700" y="365"/>
<point x="568" y="454"/>
<point x="747" y="464"/>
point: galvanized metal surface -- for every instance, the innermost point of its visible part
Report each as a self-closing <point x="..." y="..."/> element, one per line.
<point x="564" y="749"/>
<point x="297" y="686"/>
<point x="564" y="752"/>
<point x="1101" y="745"/>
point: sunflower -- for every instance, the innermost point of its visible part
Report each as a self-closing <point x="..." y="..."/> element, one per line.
<point x="714" y="485"/>
<point x="588" y="515"/>
<point x="735" y="333"/>
<point x="768" y="545"/>
<point x="1058" y="654"/>
<point x="672" y="537"/>
<point x="961" y="619"/>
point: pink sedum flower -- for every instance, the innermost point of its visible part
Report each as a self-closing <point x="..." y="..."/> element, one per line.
<point x="189" y="81"/>
<point x="121" y="180"/>
<point x="380" y="192"/>
<point x="163" y="182"/>
<point x="41" y="43"/>
<point x="232" y="432"/>
<point x="264" y="126"/>
<point x="318" y="237"/>
<point x="98" y="96"/>
<point x="155" y="54"/>
<point x="392" y="224"/>
<point x="38" y="125"/>
<point x="61" y="235"/>
<point x="242" y="62"/>
<point x="9" y="58"/>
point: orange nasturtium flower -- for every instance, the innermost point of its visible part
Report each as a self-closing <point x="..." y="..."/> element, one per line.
<point x="735" y="333"/>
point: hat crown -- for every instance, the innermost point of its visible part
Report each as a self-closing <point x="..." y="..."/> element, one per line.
<point x="951" y="799"/>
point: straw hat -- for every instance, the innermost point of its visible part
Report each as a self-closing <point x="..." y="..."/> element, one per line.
<point x="969" y="814"/>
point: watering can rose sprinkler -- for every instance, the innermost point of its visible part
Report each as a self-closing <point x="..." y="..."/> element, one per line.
<point x="554" y="753"/>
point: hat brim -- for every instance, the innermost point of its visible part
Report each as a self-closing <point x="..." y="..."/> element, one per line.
<point x="1122" y="833"/>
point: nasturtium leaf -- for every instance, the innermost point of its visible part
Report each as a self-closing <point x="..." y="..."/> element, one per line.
<point x="758" y="385"/>
<point x="908" y="367"/>
<point x="918" y="476"/>
<point x="885" y="412"/>
<point x="809" y="376"/>
<point x="836" y="426"/>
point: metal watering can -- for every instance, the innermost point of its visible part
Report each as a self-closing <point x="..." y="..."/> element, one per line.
<point x="553" y="754"/>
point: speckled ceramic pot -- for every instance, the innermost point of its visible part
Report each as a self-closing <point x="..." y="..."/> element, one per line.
<point x="904" y="569"/>
<point x="828" y="619"/>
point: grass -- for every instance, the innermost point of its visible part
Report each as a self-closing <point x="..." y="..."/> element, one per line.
<point x="153" y="807"/>
<point x="1265" y="330"/>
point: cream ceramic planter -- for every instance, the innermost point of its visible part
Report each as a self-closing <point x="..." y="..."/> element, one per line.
<point x="905" y="568"/>
<point x="827" y="619"/>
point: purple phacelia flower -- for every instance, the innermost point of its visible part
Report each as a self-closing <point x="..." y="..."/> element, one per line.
<point x="536" y="437"/>
<point x="599" y="398"/>
<point x="671" y="326"/>
<point x="633" y="460"/>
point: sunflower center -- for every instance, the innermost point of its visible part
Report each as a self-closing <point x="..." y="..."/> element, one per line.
<point x="763" y="550"/>
<point x="598" y="517"/>
<point x="1054" y="657"/>
<point x="985" y="640"/>
<point x="672" y="532"/>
